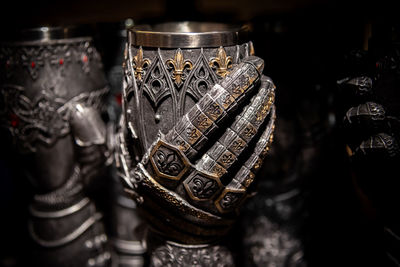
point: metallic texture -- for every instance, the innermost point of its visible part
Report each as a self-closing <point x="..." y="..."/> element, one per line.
<point x="369" y="114"/>
<point x="69" y="237"/>
<point x="169" y="253"/>
<point x="60" y="213"/>
<point x="361" y="86"/>
<point x="380" y="144"/>
<point x="370" y="130"/>
<point x="173" y="254"/>
<point x="269" y="244"/>
<point x="88" y="126"/>
<point x="48" y="34"/>
<point x="52" y="91"/>
<point x="222" y="63"/>
<point x="64" y="221"/>
<point x="37" y="92"/>
<point x="187" y="35"/>
<point x="164" y="89"/>
<point x="140" y="64"/>
<point x="44" y="119"/>
<point x="198" y="120"/>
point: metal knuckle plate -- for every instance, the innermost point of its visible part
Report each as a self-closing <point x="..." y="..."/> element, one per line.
<point x="168" y="161"/>
<point x="229" y="199"/>
<point x="201" y="186"/>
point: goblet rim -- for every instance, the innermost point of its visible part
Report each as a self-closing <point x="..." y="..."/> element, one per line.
<point x="188" y="34"/>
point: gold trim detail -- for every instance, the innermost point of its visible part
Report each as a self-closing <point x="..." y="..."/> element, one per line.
<point x="221" y="62"/>
<point x="178" y="64"/>
<point x="140" y="64"/>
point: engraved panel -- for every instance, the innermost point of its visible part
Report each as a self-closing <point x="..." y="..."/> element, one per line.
<point x="168" y="162"/>
<point x="155" y="84"/>
<point x="200" y="186"/>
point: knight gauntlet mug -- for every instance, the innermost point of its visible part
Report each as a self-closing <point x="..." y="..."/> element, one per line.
<point x="198" y="120"/>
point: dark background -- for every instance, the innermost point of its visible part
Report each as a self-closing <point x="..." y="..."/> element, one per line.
<point x="303" y="43"/>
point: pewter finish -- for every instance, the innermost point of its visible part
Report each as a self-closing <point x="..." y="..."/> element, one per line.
<point x="198" y="120"/>
<point x="187" y="35"/>
<point x="43" y="35"/>
<point x="68" y="238"/>
<point x="51" y="80"/>
<point x="152" y="91"/>
<point x="169" y="159"/>
<point x="60" y="213"/>
<point x="172" y="255"/>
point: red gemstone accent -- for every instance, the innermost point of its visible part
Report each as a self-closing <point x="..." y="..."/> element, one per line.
<point x="118" y="98"/>
<point x="85" y="58"/>
<point x="61" y="61"/>
<point x="14" y="120"/>
<point x="8" y="63"/>
<point x="33" y="64"/>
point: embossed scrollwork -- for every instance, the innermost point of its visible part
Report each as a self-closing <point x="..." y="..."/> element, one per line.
<point x="34" y="58"/>
<point x="44" y="119"/>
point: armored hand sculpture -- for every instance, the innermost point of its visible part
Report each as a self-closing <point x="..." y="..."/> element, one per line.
<point x="52" y="91"/>
<point x="198" y="121"/>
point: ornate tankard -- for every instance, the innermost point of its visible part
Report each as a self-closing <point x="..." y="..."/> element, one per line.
<point x="52" y="91"/>
<point x="198" y="120"/>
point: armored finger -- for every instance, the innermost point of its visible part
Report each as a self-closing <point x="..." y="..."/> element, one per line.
<point x="221" y="156"/>
<point x="359" y="88"/>
<point x="203" y="119"/>
<point x="364" y="120"/>
<point x="369" y="111"/>
<point x="236" y="190"/>
<point x="204" y="183"/>
<point x="159" y="176"/>
<point x="379" y="145"/>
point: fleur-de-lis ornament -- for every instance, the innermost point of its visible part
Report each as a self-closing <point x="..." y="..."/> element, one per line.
<point x="178" y="64"/>
<point x="140" y="64"/>
<point x="221" y="63"/>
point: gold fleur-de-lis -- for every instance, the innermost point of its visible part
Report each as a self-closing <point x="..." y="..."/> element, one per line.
<point x="238" y="145"/>
<point x="140" y="64"/>
<point x="178" y="64"/>
<point x="222" y="63"/>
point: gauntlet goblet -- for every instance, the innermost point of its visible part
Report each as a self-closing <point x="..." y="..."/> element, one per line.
<point x="198" y="118"/>
<point x="52" y="91"/>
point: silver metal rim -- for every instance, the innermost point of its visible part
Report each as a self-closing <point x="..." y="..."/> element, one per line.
<point x="47" y="34"/>
<point x="187" y="35"/>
